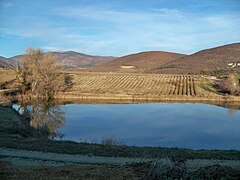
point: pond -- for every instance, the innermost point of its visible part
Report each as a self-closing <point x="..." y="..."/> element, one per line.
<point x="183" y="125"/>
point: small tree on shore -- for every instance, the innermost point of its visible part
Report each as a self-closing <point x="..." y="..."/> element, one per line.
<point x="39" y="74"/>
<point x="231" y="84"/>
<point x="204" y="72"/>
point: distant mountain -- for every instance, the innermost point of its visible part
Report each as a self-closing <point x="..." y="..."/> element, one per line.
<point x="140" y="62"/>
<point x="71" y="59"/>
<point x="219" y="59"/>
<point x="214" y="59"/>
<point x="13" y="61"/>
<point x="3" y="63"/>
<point x="68" y="59"/>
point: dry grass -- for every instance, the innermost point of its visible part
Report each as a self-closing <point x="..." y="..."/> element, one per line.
<point x="7" y="78"/>
<point x="6" y="75"/>
<point x="85" y="172"/>
<point x="119" y="86"/>
<point x="140" y="86"/>
<point x="214" y="59"/>
<point x="161" y="169"/>
<point x="112" y="141"/>
<point x="143" y="62"/>
<point x="131" y="84"/>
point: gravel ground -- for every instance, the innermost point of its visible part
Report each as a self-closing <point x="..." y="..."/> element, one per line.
<point x="35" y="158"/>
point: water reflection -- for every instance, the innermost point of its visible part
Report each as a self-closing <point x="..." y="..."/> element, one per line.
<point x="232" y="108"/>
<point x="232" y="112"/>
<point x="44" y="117"/>
<point x="187" y="125"/>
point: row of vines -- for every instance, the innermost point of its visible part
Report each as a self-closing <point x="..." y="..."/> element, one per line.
<point x="157" y="85"/>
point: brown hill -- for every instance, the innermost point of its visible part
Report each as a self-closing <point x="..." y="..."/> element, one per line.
<point x="140" y="62"/>
<point x="214" y="59"/>
<point x="69" y="59"/>
<point x="3" y="63"/>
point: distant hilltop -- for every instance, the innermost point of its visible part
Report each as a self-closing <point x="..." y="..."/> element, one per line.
<point x="68" y="59"/>
<point x="139" y="62"/>
<point x="217" y="60"/>
<point x="214" y="60"/>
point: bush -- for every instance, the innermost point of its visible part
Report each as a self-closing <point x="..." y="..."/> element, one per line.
<point x="204" y="72"/>
<point x="111" y="141"/>
<point x="231" y="84"/>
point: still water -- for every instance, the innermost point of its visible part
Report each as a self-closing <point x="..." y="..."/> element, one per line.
<point x="185" y="125"/>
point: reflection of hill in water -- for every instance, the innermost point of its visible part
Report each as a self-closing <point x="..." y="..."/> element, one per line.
<point x="44" y="119"/>
<point x="229" y="105"/>
<point x="41" y="118"/>
<point x="232" y="108"/>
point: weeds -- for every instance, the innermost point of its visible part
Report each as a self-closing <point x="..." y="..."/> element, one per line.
<point x="112" y="141"/>
<point x="169" y="169"/>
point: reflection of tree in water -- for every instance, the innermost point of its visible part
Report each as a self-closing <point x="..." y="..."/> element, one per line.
<point x="45" y="117"/>
<point x="232" y="112"/>
<point x="232" y="108"/>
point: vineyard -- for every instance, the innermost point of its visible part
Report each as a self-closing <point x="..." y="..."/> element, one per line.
<point x="136" y="85"/>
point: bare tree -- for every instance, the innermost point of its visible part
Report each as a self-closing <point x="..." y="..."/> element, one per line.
<point x="231" y="84"/>
<point x="39" y="74"/>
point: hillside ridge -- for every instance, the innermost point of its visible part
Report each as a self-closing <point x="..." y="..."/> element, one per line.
<point x="68" y="59"/>
<point x="138" y="62"/>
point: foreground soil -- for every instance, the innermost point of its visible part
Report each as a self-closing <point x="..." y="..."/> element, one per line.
<point x="25" y="164"/>
<point x="9" y="171"/>
<point x="162" y="170"/>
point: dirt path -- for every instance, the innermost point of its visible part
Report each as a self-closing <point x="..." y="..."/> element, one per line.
<point x="36" y="158"/>
<point x="18" y="156"/>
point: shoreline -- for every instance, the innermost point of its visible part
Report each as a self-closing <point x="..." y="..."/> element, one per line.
<point x="148" y="99"/>
<point x="93" y="99"/>
<point x="18" y="142"/>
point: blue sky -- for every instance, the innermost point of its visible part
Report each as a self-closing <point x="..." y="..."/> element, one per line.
<point x="120" y="27"/>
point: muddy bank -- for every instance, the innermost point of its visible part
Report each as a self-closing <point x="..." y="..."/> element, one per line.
<point x="140" y="98"/>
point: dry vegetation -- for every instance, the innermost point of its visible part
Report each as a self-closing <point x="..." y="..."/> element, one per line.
<point x="39" y="74"/>
<point x="214" y="60"/>
<point x="140" y="87"/>
<point x="6" y="75"/>
<point x="142" y="62"/>
<point x="155" y="85"/>
<point x="231" y="84"/>
<point x="7" y="83"/>
<point x="123" y="86"/>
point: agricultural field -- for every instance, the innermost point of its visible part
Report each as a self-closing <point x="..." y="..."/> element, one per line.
<point x="139" y="86"/>
<point x="131" y="86"/>
<point x="6" y="75"/>
<point x="7" y="82"/>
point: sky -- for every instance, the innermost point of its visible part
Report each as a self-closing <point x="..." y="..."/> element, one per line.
<point x="117" y="27"/>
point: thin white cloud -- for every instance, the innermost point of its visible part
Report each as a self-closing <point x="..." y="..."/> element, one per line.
<point x="94" y="13"/>
<point x="122" y="32"/>
<point x="6" y="4"/>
